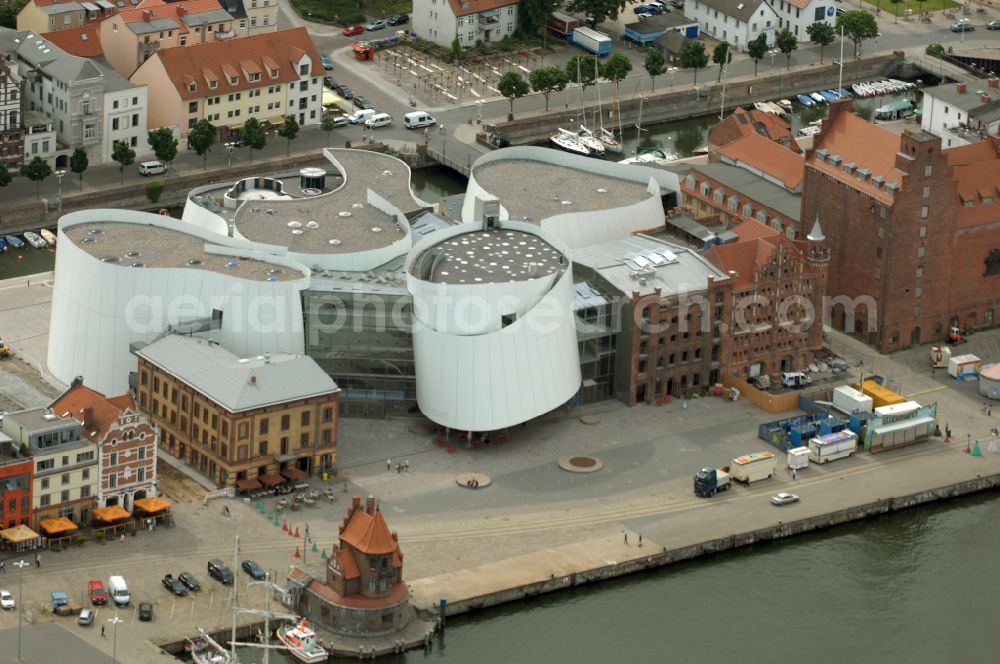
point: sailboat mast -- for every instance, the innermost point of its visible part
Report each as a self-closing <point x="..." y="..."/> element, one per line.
<point x="598" y="111"/>
<point x="236" y="585"/>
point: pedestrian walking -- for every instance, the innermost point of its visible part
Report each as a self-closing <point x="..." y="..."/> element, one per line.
<point x="793" y="473"/>
<point x="406" y="465"/>
<point x="102" y="632"/>
<point x="122" y="540"/>
<point x="38" y="560"/>
<point x="388" y="464"/>
<point x="626" y="538"/>
<point x="1" y="567"/>
<point x="640" y="539"/>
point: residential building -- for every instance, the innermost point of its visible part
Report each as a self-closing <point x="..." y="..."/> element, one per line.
<point x="776" y="287"/>
<point x="754" y="179"/>
<point x="65" y="471"/>
<point x="962" y="113"/>
<point x="72" y="92"/>
<point x="15" y="484"/>
<point x="40" y="16"/>
<point x="363" y="593"/>
<point x="12" y="109"/>
<point x="39" y="137"/>
<point x="234" y="418"/>
<point x="125" y="107"/>
<point x="912" y="229"/>
<point x="253" y="17"/>
<point x="267" y="76"/>
<point x="668" y="298"/>
<point x="84" y="41"/>
<point x="734" y="21"/>
<point x="133" y="35"/>
<point x="472" y="21"/>
<point x="126" y="443"/>
<point x="744" y="121"/>
<point x="798" y="15"/>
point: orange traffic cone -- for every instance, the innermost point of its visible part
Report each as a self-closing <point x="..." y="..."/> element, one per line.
<point x="290" y="533"/>
<point x="297" y="531"/>
<point x="284" y="526"/>
<point x="297" y="554"/>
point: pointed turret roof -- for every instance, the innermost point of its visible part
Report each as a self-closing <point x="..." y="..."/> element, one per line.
<point x="816" y="234"/>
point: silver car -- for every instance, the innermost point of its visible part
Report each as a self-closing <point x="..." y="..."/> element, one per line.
<point x="86" y="617"/>
<point x="784" y="498"/>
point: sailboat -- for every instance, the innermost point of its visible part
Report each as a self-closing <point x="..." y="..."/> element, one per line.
<point x="606" y="137"/>
<point x="206" y="650"/>
<point x="611" y="144"/>
<point x="588" y="140"/>
<point x="567" y="140"/>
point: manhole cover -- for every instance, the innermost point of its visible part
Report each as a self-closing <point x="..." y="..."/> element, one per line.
<point x="583" y="462"/>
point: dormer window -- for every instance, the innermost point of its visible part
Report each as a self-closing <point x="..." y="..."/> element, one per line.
<point x="254" y="77"/>
<point x="274" y="73"/>
<point x="213" y="84"/>
<point x="233" y="80"/>
<point x="192" y="87"/>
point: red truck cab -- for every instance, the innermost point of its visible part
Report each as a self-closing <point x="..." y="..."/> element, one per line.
<point x="97" y="592"/>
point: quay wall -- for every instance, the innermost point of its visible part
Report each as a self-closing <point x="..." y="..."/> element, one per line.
<point x="666" y="556"/>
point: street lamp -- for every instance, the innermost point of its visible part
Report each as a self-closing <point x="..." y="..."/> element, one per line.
<point x="20" y="565"/>
<point x="773" y="52"/>
<point x="479" y="111"/>
<point x="59" y="176"/>
<point x="114" y="636"/>
<point x="229" y="152"/>
<point x="673" y="72"/>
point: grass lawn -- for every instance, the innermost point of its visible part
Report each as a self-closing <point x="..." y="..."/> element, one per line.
<point x="346" y="12"/>
<point x="899" y="8"/>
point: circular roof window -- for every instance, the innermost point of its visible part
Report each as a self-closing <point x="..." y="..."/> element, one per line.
<point x="194" y="261"/>
<point x="357" y="206"/>
<point x="294" y="224"/>
<point x="312" y="224"/>
<point x="133" y="254"/>
<point x="335" y="242"/>
<point x="297" y="231"/>
<point x="138" y="265"/>
<point x="87" y="240"/>
<point x="344" y="213"/>
<point x="95" y="231"/>
<point x="376" y="229"/>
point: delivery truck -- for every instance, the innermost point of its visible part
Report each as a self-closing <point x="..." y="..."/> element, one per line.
<point x="753" y="467"/>
<point x="596" y="42"/>
<point x="709" y="481"/>
<point x="833" y="446"/>
<point x="848" y="400"/>
<point x="798" y="458"/>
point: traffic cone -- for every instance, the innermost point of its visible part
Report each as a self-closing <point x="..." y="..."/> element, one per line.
<point x="275" y="521"/>
<point x="968" y="449"/>
<point x="315" y="548"/>
<point x="975" y="450"/>
<point x="284" y="526"/>
<point x="297" y="554"/>
<point x="290" y="533"/>
<point x="296" y="531"/>
<point x="323" y="554"/>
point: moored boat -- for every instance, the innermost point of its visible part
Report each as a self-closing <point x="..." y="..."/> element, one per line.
<point x="3" y="244"/>
<point x="786" y="104"/>
<point x="35" y="240"/>
<point x="14" y="241"/>
<point x="588" y="140"/>
<point x="48" y="236"/>
<point x="894" y="110"/>
<point x="652" y="155"/>
<point x="301" y="642"/>
<point x="805" y="100"/>
<point x="763" y="106"/>
<point x="829" y="95"/>
<point x="818" y="98"/>
<point x="611" y="144"/>
<point x="564" y="141"/>
<point x="205" y="650"/>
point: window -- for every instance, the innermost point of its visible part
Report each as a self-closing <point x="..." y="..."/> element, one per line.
<point x="262" y="427"/>
<point x="242" y="430"/>
<point x="65" y="478"/>
<point x="113" y="459"/>
<point x="114" y="124"/>
<point x="920" y="272"/>
<point x="46" y="464"/>
<point x="89" y="132"/>
<point x="928" y="170"/>
<point x="327" y="436"/>
<point x="927" y="192"/>
<point x="923" y="212"/>
<point x="45" y="483"/>
<point x="923" y="231"/>
<point x="113" y="480"/>
<point x="920" y="251"/>
<point x="918" y="291"/>
<point x="192" y="107"/>
<point x="44" y="500"/>
<point x="85" y="491"/>
<point x="304" y="419"/>
<point x="327" y="415"/>
<point x="262" y="448"/>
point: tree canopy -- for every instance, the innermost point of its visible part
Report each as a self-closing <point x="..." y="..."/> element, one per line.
<point x="616" y="68"/>
<point x="327" y="124"/>
<point x="513" y="86"/>
<point x="253" y="135"/>
<point x="201" y="138"/>
<point x="36" y="170"/>
<point x="786" y="42"/>
<point x="582" y="69"/>
<point x="5" y="176"/>
<point x="599" y="9"/>
<point x="289" y="131"/>
<point x="532" y="14"/>
<point x="548" y="80"/>
<point x="823" y="34"/>
<point x="124" y="155"/>
<point x="858" y="26"/>
<point x="722" y="56"/>
<point x="78" y="163"/>
<point x="693" y="56"/>
<point x="655" y="65"/>
<point x="757" y="49"/>
<point x="163" y="143"/>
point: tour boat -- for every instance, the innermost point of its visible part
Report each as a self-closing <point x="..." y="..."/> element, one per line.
<point x="48" y="236"/>
<point x="205" y="650"/>
<point x="805" y="100"/>
<point x="14" y="241"/>
<point x="587" y="140"/>
<point x="564" y="141"/>
<point x="301" y="642"/>
<point x="894" y="110"/>
<point x="35" y="240"/>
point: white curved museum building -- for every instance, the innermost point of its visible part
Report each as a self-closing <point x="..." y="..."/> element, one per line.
<point x="494" y="336"/>
<point x="123" y="277"/>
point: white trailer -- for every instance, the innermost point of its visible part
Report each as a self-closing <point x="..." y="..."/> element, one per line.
<point x="833" y="446"/>
<point x="848" y="400"/>
<point x="961" y="367"/>
<point x="798" y="457"/>
<point x="596" y="42"/>
<point x="752" y="467"/>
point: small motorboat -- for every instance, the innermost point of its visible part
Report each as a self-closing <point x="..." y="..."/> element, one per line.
<point x="3" y="244"/>
<point x="809" y="130"/>
<point x="14" y="241"/>
<point x="805" y="100"/>
<point x="35" y="240"/>
<point x="588" y="140"/>
<point x="48" y="236"/>
<point x="818" y="98"/>
<point x="906" y="85"/>
<point x="786" y="104"/>
<point x="301" y="642"/>
<point x="564" y="140"/>
<point x="776" y="109"/>
<point x="650" y="156"/>
<point x="843" y="92"/>
<point x="611" y="144"/>
<point x="763" y="107"/>
<point x="829" y="95"/>
<point x="860" y="90"/>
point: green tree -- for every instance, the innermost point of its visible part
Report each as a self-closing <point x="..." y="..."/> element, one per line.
<point x="5" y="176"/>
<point x="548" y="80"/>
<point x="693" y="56"/>
<point x="655" y="65"/>
<point x="821" y="33"/>
<point x="253" y="135"/>
<point x="615" y="69"/>
<point x="327" y="124"/>
<point x="599" y="9"/>
<point x="532" y="14"/>
<point x="201" y="138"/>
<point x="124" y="155"/>
<point x="78" y="163"/>
<point x="786" y="43"/>
<point x="289" y="131"/>
<point x="9" y="11"/>
<point x="456" y="52"/>
<point x="512" y="86"/>
<point x="36" y="170"/>
<point x="722" y="56"/>
<point x="583" y="70"/>
<point x="154" y="190"/>
<point x="164" y="144"/>
<point x="757" y="49"/>
<point x="858" y="26"/>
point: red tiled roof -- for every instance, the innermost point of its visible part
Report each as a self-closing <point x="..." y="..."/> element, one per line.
<point x="768" y="157"/>
<point x="104" y="411"/>
<point x="972" y="153"/>
<point x="84" y="41"/>
<point x="753" y="230"/>
<point x="745" y="121"/>
<point x="755" y="247"/>
<point x="466" y="7"/>
<point x="348" y="564"/>
<point x="163" y="9"/>
<point x="859" y="141"/>
<point x="369" y="533"/>
<point x="189" y="64"/>
<point x="976" y="182"/>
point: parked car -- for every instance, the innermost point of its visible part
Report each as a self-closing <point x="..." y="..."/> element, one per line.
<point x="6" y="599"/>
<point x="325" y="59"/>
<point x="97" y="592"/>
<point x="362" y="102"/>
<point x="86" y="617"/>
<point x="252" y="568"/>
<point x="236" y="142"/>
<point x="189" y="581"/>
<point x="219" y="571"/>
<point x="962" y="26"/>
<point x="345" y="91"/>
<point x="399" y="19"/>
<point x="375" y="24"/>
<point x="174" y="585"/>
<point x="340" y="121"/>
<point x="784" y="498"/>
<point x="993" y="25"/>
<point x="329" y="82"/>
<point x="352" y="30"/>
<point x="145" y="612"/>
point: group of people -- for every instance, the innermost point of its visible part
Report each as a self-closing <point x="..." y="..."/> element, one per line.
<point x="472" y="483"/>
<point x="400" y="465"/>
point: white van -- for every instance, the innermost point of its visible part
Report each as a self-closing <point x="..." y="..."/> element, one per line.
<point x="418" y="119"/>
<point x="361" y="116"/>
<point x="118" y="591"/>
<point x="152" y="168"/>
<point x="794" y="379"/>
<point x="379" y="120"/>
